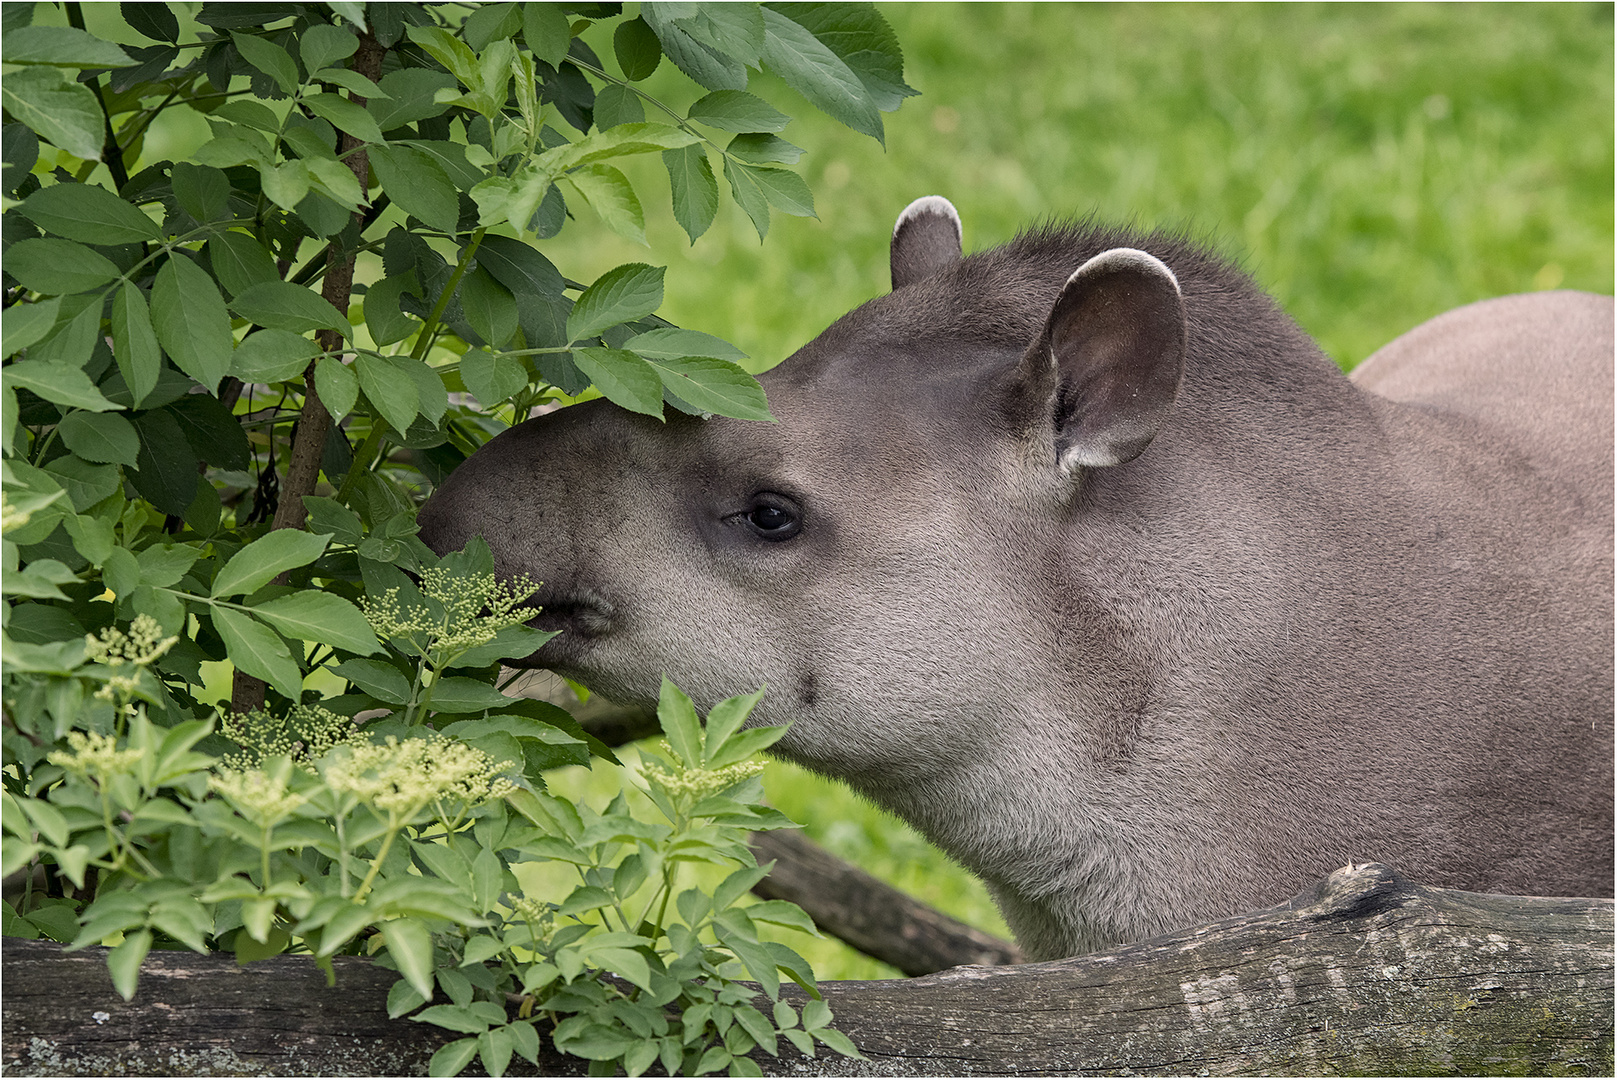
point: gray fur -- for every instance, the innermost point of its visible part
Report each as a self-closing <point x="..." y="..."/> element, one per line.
<point x="1314" y="620"/>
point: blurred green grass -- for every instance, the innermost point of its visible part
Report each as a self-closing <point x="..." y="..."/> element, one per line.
<point x="1371" y="166"/>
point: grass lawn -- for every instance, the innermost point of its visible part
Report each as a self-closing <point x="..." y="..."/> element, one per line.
<point x="1372" y="166"/>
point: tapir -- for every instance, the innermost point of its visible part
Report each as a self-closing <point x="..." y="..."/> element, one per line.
<point x="1079" y="555"/>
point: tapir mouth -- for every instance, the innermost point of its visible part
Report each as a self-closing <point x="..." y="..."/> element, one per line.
<point x="580" y="613"/>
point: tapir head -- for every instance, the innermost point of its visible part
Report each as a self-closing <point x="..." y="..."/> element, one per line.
<point x="881" y="555"/>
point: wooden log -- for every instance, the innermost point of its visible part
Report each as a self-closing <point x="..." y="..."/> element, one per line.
<point x="869" y="914"/>
<point x="1366" y="973"/>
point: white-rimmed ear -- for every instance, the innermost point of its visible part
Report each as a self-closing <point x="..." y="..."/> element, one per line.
<point x="1116" y="337"/>
<point x="926" y="239"/>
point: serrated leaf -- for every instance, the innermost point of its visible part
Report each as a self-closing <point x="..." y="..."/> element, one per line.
<point x="379" y="680"/>
<point x="710" y="67"/>
<point x="258" y="650"/>
<point x="270" y="356"/>
<point x="518" y="266"/>
<point x="609" y="192"/>
<point x="410" y="97"/>
<point x="323" y="617"/>
<point x="337" y="386"/>
<point x="134" y="342"/>
<point x="725" y="720"/>
<point x="63" y="46"/>
<point x="784" y="189"/>
<point x="748" y="194"/>
<point x="190" y="320"/>
<point x="253" y="567"/>
<point x="738" y="111"/>
<point x="60" y="384"/>
<point x="622" y="294"/>
<point x="492" y="379"/>
<point x="715" y="386"/>
<point x="489" y="307"/>
<point x="397" y="399"/>
<point x="760" y="149"/>
<point x="155" y="21"/>
<point x="100" y="437"/>
<point x="60" y="109"/>
<point x="269" y="58"/>
<point x="456" y="694"/>
<point x="58" y="266"/>
<point x="409" y="943"/>
<point x="123" y="962"/>
<point x="666" y="342"/>
<point x="694" y="190"/>
<point x="344" y="115"/>
<point x="282" y="305"/>
<point x="285" y="184"/>
<point x="26" y="324"/>
<point x="450" y="1058"/>
<point x="623" y="378"/>
<point x="322" y="45"/>
<point x="88" y="213"/>
<point x="240" y="261"/>
<point x="813" y="70"/>
<point x="866" y="43"/>
<point x="546" y="32"/>
<point x="415" y="181"/>
<point x="677" y="715"/>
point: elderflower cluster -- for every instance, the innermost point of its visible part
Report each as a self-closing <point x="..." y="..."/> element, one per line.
<point x="401" y="778"/>
<point x="474" y="609"/>
<point x="95" y="756"/>
<point x="693" y="783"/>
<point x="305" y="734"/>
<point x="262" y="797"/>
<point x="141" y="646"/>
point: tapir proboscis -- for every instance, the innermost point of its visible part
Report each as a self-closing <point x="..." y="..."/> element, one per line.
<point x="1079" y="555"/>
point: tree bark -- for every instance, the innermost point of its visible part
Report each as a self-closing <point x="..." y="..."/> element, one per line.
<point x="870" y="915"/>
<point x="1365" y="973"/>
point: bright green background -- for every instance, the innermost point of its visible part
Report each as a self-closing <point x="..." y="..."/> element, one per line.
<point x="1371" y="166"/>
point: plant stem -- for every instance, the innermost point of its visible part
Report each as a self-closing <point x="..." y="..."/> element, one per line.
<point x="429" y="329"/>
<point x="376" y="864"/>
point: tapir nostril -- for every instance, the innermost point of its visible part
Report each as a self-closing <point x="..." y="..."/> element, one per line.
<point x="583" y="612"/>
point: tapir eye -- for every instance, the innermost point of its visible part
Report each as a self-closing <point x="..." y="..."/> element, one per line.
<point x="773" y="517"/>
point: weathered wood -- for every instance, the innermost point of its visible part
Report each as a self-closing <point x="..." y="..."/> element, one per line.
<point x="1366" y="973"/>
<point x="869" y="914"/>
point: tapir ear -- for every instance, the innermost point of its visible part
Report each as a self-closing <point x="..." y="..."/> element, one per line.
<point x="926" y="239"/>
<point x="1116" y="337"/>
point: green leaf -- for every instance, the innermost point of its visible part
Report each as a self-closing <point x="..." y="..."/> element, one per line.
<point x="162" y="565"/>
<point x="491" y="23"/>
<point x="492" y="379"/>
<point x="253" y="567"/>
<point x="249" y="114"/>
<point x="758" y="149"/>
<point x="622" y="294"/>
<point x="123" y="962"/>
<point x="285" y="184"/>
<point x="520" y="267"/>
<point x="134" y="342"/>
<point x="545" y="29"/>
<point x="637" y="49"/>
<point x="86" y="483"/>
<point x="748" y="194"/>
<point x="379" y="680"/>
<point x="344" y="115"/>
<point x="710" y="67"/>
<point x="60" y="384"/>
<point x="240" y="261"/>
<point x="282" y="305"/>
<point x="839" y="1042"/>
<point x="489" y="307"/>
<point x="617" y="104"/>
<point x="100" y="437"/>
<point x="271" y="356"/>
<point x="725" y="720"/>
<point x="625" y="139"/>
<point x="337" y="386"/>
<point x="623" y="378"/>
<point x="396" y="399"/>
<point x="330" y="516"/>
<point x="677" y="715"/>
<point x="322" y="45"/>
<point x="269" y="58"/>
<point x="62" y="46"/>
<point x="743" y="744"/>
<point x="384" y="319"/>
<point x="25" y="324"/>
<point x="88" y="213"/>
<point x="784" y="189"/>
<point x="739" y="111"/>
<point x="453" y="1017"/>
<point x="191" y="322"/>
<point x="456" y="694"/>
<point x="62" y="110"/>
<point x="322" y="617"/>
<point x="415" y="181"/>
<point x="694" y="190"/>
<point x="814" y="71"/>
<point x="155" y="21"/>
<point x="715" y="386"/>
<point x="782" y="913"/>
<point x="258" y="650"/>
<point x="58" y="266"/>
<point x="166" y="473"/>
<point x="610" y="193"/>
<point x="866" y="43"/>
<point x="410" y="97"/>
<point x="450" y="1058"/>
<point x="672" y="342"/>
<point x="409" y="943"/>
